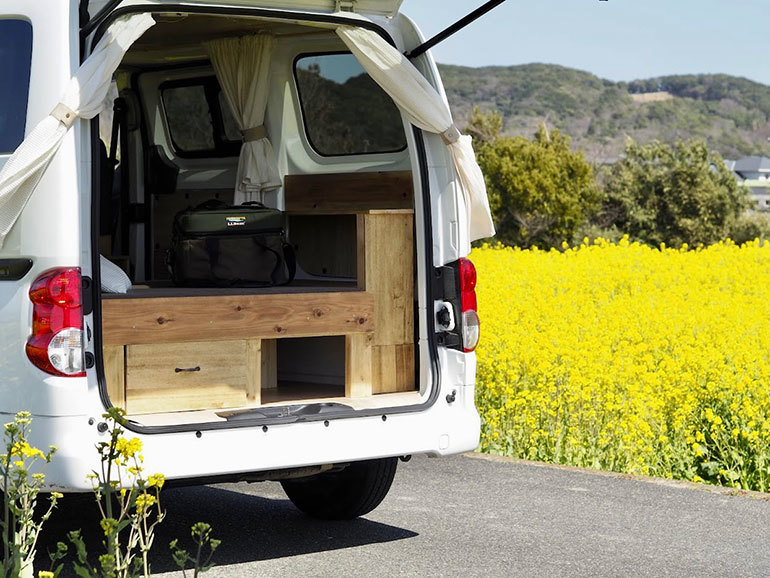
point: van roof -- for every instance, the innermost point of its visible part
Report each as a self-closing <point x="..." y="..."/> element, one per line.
<point x="375" y="7"/>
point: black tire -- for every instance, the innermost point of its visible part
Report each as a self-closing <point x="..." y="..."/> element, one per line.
<point x="349" y="493"/>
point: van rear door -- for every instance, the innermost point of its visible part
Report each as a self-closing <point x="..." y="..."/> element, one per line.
<point x="387" y="8"/>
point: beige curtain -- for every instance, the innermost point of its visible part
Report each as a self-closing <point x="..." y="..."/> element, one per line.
<point x="424" y="108"/>
<point x="84" y="97"/>
<point x="242" y="66"/>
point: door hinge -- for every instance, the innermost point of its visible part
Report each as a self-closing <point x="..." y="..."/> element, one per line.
<point x="345" y="5"/>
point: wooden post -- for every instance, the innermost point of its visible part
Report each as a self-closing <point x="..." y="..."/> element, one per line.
<point x="254" y="368"/>
<point x="358" y="365"/>
<point x="269" y="363"/>
<point x="114" y="360"/>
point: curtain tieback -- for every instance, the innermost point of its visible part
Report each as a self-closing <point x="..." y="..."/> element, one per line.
<point x="254" y="133"/>
<point x="64" y="114"/>
<point x="451" y="135"/>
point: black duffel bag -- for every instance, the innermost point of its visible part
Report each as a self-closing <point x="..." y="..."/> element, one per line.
<point x="219" y="245"/>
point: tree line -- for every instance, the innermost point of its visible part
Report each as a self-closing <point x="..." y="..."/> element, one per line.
<point x="542" y="193"/>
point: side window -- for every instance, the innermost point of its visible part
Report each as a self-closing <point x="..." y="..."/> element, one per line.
<point x="15" y="60"/>
<point x="344" y="110"/>
<point x="198" y="118"/>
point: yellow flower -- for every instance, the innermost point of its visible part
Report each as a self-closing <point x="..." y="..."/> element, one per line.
<point x="156" y="480"/>
<point x="627" y="357"/>
<point x="128" y="448"/>
<point x="144" y="501"/>
<point x="24" y="450"/>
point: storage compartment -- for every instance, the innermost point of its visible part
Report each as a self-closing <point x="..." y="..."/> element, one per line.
<point x="200" y="375"/>
<point x="184" y="349"/>
<point x="343" y="331"/>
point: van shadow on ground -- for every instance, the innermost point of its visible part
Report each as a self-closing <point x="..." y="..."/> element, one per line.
<point x="251" y="528"/>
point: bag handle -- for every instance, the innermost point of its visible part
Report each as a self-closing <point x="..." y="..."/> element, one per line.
<point x="278" y="260"/>
<point x="291" y="261"/>
<point x="211" y="204"/>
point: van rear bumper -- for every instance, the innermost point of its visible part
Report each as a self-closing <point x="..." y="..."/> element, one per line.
<point x="441" y="429"/>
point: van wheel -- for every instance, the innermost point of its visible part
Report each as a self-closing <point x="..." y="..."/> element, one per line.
<point x="343" y="495"/>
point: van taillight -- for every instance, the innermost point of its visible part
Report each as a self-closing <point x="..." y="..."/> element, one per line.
<point x="471" y="323"/>
<point x="56" y="343"/>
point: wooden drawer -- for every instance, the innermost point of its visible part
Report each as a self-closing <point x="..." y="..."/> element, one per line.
<point x="187" y="376"/>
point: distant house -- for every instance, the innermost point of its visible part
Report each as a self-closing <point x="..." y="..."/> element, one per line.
<point x="754" y="172"/>
<point x="753" y="168"/>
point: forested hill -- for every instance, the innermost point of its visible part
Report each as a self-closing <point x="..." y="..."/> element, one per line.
<point x="732" y="114"/>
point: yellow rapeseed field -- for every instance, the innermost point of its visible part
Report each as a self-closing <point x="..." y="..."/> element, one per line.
<point x="629" y="358"/>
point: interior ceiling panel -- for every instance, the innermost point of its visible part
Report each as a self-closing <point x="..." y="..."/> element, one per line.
<point x="178" y="38"/>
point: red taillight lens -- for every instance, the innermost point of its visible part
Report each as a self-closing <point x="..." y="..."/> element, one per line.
<point x="471" y="323"/>
<point x="56" y="343"/>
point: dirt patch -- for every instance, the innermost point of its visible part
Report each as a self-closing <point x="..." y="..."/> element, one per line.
<point x="652" y="97"/>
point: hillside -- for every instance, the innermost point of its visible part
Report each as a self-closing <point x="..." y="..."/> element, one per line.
<point x="732" y="114"/>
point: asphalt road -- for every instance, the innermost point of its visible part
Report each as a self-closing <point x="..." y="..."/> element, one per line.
<point x="473" y="516"/>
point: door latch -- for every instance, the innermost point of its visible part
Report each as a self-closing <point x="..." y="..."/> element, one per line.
<point x="445" y="316"/>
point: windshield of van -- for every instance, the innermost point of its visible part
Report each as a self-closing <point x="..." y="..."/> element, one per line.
<point x="15" y="58"/>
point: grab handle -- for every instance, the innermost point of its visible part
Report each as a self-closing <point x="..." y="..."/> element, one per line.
<point x="186" y="369"/>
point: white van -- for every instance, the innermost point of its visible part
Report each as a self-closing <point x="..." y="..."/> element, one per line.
<point x="119" y="114"/>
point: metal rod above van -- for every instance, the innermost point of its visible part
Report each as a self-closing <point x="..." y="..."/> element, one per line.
<point x="457" y="26"/>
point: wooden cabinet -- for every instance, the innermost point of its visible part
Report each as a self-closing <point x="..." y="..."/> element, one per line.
<point x="202" y="375"/>
<point x="209" y="352"/>
<point x="186" y="353"/>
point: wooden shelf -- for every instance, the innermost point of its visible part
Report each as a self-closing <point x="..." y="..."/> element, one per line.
<point x="266" y="316"/>
<point x="347" y="193"/>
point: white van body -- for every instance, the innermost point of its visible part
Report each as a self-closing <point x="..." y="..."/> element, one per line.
<point x="55" y="230"/>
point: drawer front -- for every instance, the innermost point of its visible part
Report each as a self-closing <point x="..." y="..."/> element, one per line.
<point x="185" y="376"/>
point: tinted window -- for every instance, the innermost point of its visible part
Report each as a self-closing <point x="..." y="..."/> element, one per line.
<point x="189" y="118"/>
<point x="199" y="119"/>
<point x="15" y="58"/>
<point x="344" y="110"/>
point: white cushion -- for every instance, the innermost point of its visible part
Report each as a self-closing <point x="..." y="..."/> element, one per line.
<point x="114" y="279"/>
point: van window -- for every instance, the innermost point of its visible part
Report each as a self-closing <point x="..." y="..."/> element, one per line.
<point x="344" y="110"/>
<point x="15" y="59"/>
<point x="199" y="120"/>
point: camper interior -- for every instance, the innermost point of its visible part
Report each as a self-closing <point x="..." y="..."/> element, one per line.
<point x="332" y="153"/>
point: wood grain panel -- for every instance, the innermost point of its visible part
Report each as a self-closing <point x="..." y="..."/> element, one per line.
<point x="176" y="399"/>
<point x="269" y="364"/>
<point x="386" y="268"/>
<point x="349" y="192"/>
<point x="114" y="360"/>
<point x="358" y="365"/>
<point x="154" y="384"/>
<point x="185" y="319"/>
<point x="253" y="363"/>
<point x="393" y="368"/>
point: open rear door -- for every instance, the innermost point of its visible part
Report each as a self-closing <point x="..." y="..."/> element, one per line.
<point x="374" y="7"/>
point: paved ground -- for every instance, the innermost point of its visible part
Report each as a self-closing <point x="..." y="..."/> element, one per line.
<point x="471" y="516"/>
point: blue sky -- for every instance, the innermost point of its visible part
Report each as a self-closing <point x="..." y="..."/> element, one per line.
<point x="616" y="39"/>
